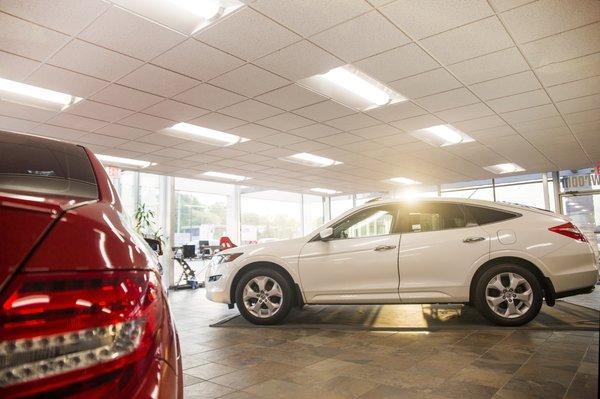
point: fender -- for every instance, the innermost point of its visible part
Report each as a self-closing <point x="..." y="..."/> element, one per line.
<point x="507" y="253"/>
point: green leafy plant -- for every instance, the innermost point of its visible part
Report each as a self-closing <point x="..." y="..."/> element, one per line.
<point x="145" y="224"/>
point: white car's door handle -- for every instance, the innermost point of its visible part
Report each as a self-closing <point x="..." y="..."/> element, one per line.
<point x="384" y="247"/>
<point x="473" y="239"/>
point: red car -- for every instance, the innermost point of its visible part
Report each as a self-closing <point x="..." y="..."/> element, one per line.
<point x="84" y="312"/>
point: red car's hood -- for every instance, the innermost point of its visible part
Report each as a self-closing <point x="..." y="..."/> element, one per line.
<point x="24" y="219"/>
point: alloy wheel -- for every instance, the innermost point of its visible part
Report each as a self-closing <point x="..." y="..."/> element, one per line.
<point x="509" y="295"/>
<point x="262" y="296"/>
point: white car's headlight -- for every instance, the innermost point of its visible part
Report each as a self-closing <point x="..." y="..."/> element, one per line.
<point x="224" y="258"/>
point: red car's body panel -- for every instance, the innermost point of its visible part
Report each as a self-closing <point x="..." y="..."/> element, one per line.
<point x="54" y="233"/>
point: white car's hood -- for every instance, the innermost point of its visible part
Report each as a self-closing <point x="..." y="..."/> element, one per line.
<point x="283" y="248"/>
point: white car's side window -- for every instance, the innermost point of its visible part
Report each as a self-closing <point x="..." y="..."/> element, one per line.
<point x="369" y="222"/>
<point x="436" y="216"/>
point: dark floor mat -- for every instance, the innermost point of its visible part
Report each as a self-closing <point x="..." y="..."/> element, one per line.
<point x="563" y="316"/>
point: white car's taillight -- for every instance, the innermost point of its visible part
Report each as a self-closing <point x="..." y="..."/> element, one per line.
<point x="63" y="328"/>
<point x="570" y="230"/>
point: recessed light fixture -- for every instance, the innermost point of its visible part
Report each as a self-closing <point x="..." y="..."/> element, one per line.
<point x="405" y="181"/>
<point x="110" y="160"/>
<point x="442" y="135"/>
<point x="503" y="168"/>
<point x="185" y="16"/>
<point x="202" y="134"/>
<point x="324" y="191"/>
<point x="353" y="88"/>
<point x="304" y="158"/>
<point x="226" y="176"/>
<point x="34" y="96"/>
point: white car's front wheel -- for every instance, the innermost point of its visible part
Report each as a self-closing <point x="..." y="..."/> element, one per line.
<point x="508" y="295"/>
<point x="263" y="296"/>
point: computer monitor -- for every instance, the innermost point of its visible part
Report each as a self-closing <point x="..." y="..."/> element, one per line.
<point x="189" y="251"/>
<point x="203" y="243"/>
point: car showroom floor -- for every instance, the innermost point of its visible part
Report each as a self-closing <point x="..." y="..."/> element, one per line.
<point x="448" y="354"/>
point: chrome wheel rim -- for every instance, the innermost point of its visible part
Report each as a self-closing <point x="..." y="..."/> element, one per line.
<point x="509" y="295"/>
<point x="262" y="297"/>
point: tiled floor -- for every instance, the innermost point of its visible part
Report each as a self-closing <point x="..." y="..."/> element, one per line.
<point x="241" y="362"/>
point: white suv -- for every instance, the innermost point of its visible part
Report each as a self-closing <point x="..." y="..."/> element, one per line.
<point x="502" y="258"/>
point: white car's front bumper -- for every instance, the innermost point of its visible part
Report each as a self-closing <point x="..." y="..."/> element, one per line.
<point x="219" y="290"/>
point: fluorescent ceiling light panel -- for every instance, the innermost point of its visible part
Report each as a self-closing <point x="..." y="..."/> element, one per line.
<point x="34" y="96"/>
<point x="503" y="168"/>
<point x="185" y="16"/>
<point x="202" y="134"/>
<point x="352" y="88"/>
<point x="324" y="191"/>
<point x="304" y="158"/>
<point x="128" y="162"/>
<point x="405" y="181"/>
<point x="227" y="176"/>
<point x="442" y="135"/>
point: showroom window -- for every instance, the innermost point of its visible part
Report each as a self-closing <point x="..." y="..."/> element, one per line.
<point x="434" y="216"/>
<point x="126" y="184"/>
<point x="270" y="215"/>
<point x="370" y="222"/>
<point x="340" y="204"/>
<point x="524" y="190"/>
<point x="312" y="206"/>
<point x="363" y="198"/>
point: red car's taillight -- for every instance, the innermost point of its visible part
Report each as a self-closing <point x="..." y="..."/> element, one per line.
<point x="570" y="230"/>
<point x="64" y="328"/>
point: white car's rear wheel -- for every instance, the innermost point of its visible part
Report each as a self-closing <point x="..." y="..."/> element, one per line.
<point x="263" y="296"/>
<point x="508" y="295"/>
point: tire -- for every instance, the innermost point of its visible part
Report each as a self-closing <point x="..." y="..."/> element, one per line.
<point x="248" y="293"/>
<point x="503" y="306"/>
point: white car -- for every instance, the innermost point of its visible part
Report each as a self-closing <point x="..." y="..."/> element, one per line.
<point x="505" y="259"/>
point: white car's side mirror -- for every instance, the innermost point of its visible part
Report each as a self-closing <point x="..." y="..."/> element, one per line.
<point x="326" y="234"/>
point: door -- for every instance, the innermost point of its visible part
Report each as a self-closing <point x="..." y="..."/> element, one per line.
<point x="439" y="246"/>
<point x="359" y="264"/>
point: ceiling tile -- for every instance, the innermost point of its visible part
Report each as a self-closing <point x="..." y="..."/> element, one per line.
<point x="125" y="97"/>
<point x="286" y="121"/>
<point x="100" y="111"/>
<point x="563" y="46"/>
<point x="24" y="112"/>
<point x="253" y="146"/>
<point x="250" y="110"/>
<point x="147" y="122"/>
<point x="315" y="131"/>
<point x="161" y="139"/>
<point x="575" y="89"/>
<point x="57" y="132"/>
<point x="249" y="81"/>
<point x="125" y="32"/>
<point x="506" y="86"/>
<point x="567" y="71"/>
<point x="503" y="5"/>
<point x="298" y="61"/>
<point x="519" y="101"/>
<point x="447" y="100"/>
<point x="89" y="59"/>
<point x="490" y="66"/>
<point x="580" y="104"/>
<point x="280" y="139"/>
<point x="306" y="146"/>
<point x="426" y="83"/>
<point x="397" y="111"/>
<point x="209" y="97"/>
<point x="243" y="35"/>
<point x="472" y="111"/>
<point x="290" y="97"/>
<point x="373" y="132"/>
<point x="377" y="35"/>
<point x="583" y="116"/>
<point x="469" y="41"/>
<point x="27" y="39"/>
<point x="417" y="122"/>
<point x="308" y="17"/>
<point x="217" y="121"/>
<point x="197" y="60"/>
<point x="252" y="131"/>
<point x="324" y="111"/>
<point x="15" y="67"/>
<point x="93" y="138"/>
<point x="67" y="16"/>
<point x="15" y="124"/>
<point x="122" y="131"/>
<point x="530" y="114"/>
<point x="548" y="17"/>
<point x="398" y="63"/>
<point x="425" y="18"/>
<point x="76" y="122"/>
<point x="479" y="123"/>
<point x="340" y="139"/>
<point x="173" y="153"/>
<point x="175" y="110"/>
<point x="352" y="122"/>
<point x="58" y="79"/>
<point x="158" y="81"/>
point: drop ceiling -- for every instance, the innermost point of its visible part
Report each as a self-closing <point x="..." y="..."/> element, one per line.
<point x="522" y="78"/>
